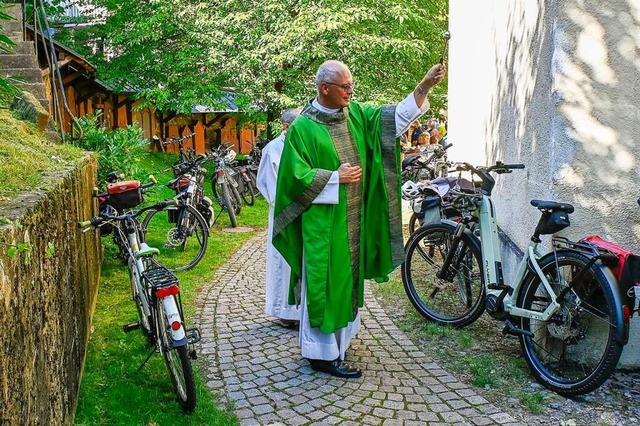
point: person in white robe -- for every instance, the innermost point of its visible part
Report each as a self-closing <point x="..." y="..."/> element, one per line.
<point x="277" y="277"/>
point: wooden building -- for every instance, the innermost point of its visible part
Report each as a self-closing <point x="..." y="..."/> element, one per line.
<point x="85" y="94"/>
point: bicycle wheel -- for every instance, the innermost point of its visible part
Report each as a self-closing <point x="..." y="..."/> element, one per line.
<point x="227" y="203"/>
<point x="414" y="223"/>
<point x="180" y="233"/>
<point x="215" y="187"/>
<point x="458" y="300"/>
<point x="141" y="300"/>
<point x="247" y="191"/>
<point x="236" y="199"/>
<point x="576" y="350"/>
<point x="233" y="195"/>
<point x="178" y="362"/>
<point x="253" y="184"/>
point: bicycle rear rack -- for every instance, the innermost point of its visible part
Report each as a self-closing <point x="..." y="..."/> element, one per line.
<point x="607" y="257"/>
<point x="158" y="276"/>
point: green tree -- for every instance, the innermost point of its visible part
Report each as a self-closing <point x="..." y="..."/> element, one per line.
<point x="156" y="48"/>
<point x="274" y="47"/>
<point x="179" y="52"/>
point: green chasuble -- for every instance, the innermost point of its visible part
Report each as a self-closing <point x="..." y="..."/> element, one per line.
<point x="358" y="238"/>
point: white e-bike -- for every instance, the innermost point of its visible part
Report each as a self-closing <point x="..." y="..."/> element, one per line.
<point x="564" y="306"/>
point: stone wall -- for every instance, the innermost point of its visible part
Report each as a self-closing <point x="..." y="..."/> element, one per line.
<point x="47" y="297"/>
<point x="554" y="85"/>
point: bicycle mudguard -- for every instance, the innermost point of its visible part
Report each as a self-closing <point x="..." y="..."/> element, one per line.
<point x="622" y="327"/>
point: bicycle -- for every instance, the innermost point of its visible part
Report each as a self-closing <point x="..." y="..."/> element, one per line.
<point x="564" y="306"/>
<point x="156" y="294"/>
<point x="182" y="231"/>
<point x="223" y="184"/>
<point x="245" y="180"/>
<point x="418" y="167"/>
<point x="430" y="200"/>
<point x="119" y="196"/>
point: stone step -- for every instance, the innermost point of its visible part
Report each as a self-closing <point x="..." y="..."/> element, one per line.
<point x="13" y="61"/>
<point x="11" y="27"/>
<point x="12" y="9"/>
<point x="45" y="104"/>
<point x="15" y="36"/>
<point x="31" y="75"/>
<point x="37" y="89"/>
<point x="24" y="48"/>
<point x="52" y="136"/>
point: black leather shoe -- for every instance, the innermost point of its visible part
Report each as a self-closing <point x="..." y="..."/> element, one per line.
<point x="335" y="368"/>
<point x="290" y="324"/>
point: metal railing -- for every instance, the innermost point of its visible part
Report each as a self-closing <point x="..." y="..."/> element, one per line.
<point x="41" y="27"/>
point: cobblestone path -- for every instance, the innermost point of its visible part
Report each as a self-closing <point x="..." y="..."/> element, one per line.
<point x="255" y="364"/>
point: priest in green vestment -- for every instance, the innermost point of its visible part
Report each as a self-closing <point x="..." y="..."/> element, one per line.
<point x="337" y="212"/>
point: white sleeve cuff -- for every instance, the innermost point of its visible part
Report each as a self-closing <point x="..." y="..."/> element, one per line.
<point x="407" y="112"/>
<point x="330" y="194"/>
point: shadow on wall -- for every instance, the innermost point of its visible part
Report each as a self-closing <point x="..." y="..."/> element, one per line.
<point x="567" y="104"/>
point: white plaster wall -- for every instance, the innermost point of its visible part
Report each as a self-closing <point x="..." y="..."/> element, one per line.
<point x="555" y="85"/>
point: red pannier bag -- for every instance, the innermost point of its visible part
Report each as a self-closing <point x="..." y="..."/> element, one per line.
<point x="626" y="270"/>
<point x="125" y="194"/>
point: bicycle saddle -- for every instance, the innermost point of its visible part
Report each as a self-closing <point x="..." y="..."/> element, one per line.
<point x="146" y="251"/>
<point x="552" y="205"/>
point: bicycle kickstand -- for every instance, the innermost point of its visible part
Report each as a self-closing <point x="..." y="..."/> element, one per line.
<point x="215" y="219"/>
<point x="153" y="350"/>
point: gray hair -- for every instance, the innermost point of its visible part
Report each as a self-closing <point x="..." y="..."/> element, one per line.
<point x="289" y="115"/>
<point x="328" y="72"/>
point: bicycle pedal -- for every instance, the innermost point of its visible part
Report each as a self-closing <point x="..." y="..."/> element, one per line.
<point x="193" y="335"/>
<point x="193" y="355"/>
<point x="130" y="327"/>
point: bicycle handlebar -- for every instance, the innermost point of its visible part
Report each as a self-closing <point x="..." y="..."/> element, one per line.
<point x="177" y="139"/>
<point x="483" y="173"/>
<point x="97" y="221"/>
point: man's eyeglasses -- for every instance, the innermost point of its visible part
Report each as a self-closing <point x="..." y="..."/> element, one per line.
<point x="345" y="87"/>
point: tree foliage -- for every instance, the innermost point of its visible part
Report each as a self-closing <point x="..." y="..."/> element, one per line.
<point x="180" y="52"/>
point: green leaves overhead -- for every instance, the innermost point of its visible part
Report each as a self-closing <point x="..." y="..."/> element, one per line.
<point x="179" y="52"/>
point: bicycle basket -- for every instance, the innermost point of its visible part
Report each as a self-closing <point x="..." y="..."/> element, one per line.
<point x="125" y="195"/>
<point x="552" y="222"/>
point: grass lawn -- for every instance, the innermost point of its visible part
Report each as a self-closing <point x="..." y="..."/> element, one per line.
<point x="113" y="391"/>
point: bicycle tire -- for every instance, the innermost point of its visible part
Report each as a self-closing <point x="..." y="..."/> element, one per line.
<point x="247" y="192"/>
<point x="236" y="199"/>
<point x="178" y="362"/>
<point x="457" y="302"/>
<point x="141" y="299"/>
<point x="412" y="223"/>
<point x="182" y="245"/>
<point x="253" y="184"/>
<point x="228" y="204"/>
<point x="577" y="349"/>
<point x="215" y="187"/>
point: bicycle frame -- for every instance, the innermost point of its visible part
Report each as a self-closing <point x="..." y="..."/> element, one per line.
<point x="148" y="294"/>
<point x="492" y="268"/>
